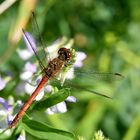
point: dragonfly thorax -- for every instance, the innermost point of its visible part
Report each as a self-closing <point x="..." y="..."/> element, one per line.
<point x="64" y="54"/>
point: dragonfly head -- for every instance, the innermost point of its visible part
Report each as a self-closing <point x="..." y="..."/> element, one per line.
<point x="64" y="54"/>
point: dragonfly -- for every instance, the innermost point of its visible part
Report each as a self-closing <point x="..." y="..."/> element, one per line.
<point x="64" y="60"/>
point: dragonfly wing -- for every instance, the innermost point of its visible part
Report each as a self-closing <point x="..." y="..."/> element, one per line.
<point x="30" y="43"/>
<point x="91" y="76"/>
<point x="44" y="56"/>
<point x="70" y="84"/>
<point x="99" y="76"/>
<point x="46" y="53"/>
<point x="94" y="92"/>
<point x="35" y="79"/>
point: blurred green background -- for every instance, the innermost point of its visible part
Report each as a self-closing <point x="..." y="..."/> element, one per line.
<point x="108" y="31"/>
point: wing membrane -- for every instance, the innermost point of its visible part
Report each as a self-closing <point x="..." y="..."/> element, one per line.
<point x="99" y="75"/>
<point x="75" y="85"/>
<point x="27" y="38"/>
<point x="40" y="42"/>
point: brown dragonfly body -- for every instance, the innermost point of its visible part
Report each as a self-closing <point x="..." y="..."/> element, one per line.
<point x="54" y="67"/>
<point x="49" y="72"/>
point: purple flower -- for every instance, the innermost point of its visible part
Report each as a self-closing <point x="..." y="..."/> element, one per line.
<point x="5" y="113"/>
<point x="30" y="67"/>
<point x="10" y="118"/>
<point x="25" y="54"/>
<point x="28" y="70"/>
<point x="80" y="56"/>
<point x="5" y="104"/>
<point x="30" y="42"/>
<point x="27" y="75"/>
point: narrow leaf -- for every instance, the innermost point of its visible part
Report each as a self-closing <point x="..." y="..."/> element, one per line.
<point x="44" y="131"/>
<point x="54" y="99"/>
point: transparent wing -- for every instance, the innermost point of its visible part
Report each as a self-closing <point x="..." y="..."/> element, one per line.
<point x="81" y="76"/>
<point x="98" y="75"/>
<point x="90" y="91"/>
<point x="46" y="53"/>
<point x="75" y="85"/>
<point x="43" y="55"/>
<point x="34" y="79"/>
<point x="30" y="43"/>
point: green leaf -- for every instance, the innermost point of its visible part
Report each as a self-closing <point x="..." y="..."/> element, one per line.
<point x="43" y="131"/>
<point x="54" y="99"/>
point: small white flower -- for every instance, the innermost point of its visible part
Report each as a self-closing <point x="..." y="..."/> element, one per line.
<point x="48" y="88"/>
<point x="26" y="75"/>
<point x="25" y="54"/>
<point x="2" y="83"/>
<point x="40" y="95"/>
<point x="71" y="99"/>
<point x="70" y="74"/>
<point x="22" y="136"/>
<point x="29" y="89"/>
<point x="54" y="46"/>
<point x="58" y="108"/>
<point x="28" y="70"/>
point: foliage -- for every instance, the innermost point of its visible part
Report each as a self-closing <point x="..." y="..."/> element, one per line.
<point x="109" y="33"/>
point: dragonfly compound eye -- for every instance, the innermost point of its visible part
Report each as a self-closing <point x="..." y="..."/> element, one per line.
<point x="64" y="54"/>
